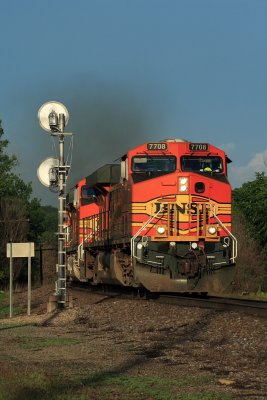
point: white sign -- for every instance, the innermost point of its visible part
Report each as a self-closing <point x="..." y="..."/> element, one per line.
<point x="20" y="249"/>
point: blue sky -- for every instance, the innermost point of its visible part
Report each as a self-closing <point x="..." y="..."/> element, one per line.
<point x="131" y="71"/>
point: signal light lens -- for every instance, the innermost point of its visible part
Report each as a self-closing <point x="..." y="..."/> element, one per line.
<point x="183" y="184"/>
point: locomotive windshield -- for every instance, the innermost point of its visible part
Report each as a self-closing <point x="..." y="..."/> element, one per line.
<point x="154" y="164"/>
<point x="202" y="164"/>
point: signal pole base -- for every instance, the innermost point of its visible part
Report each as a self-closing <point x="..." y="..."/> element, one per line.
<point x="54" y="305"/>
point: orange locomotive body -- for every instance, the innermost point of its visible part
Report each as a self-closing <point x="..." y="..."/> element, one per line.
<point x="161" y="219"/>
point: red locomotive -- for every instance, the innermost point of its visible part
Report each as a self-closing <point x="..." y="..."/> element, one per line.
<point x="160" y="220"/>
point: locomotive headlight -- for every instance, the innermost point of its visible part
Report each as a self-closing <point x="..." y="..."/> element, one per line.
<point x="212" y="230"/>
<point x="161" y="230"/>
<point x="183" y="184"/>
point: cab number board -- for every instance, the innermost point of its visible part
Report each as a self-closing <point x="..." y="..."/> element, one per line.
<point x="157" y="146"/>
<point x="198" y="146"/>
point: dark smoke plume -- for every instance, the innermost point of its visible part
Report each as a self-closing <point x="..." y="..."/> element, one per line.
<point x="107" y="122"/>
<point x="107" y="119"/>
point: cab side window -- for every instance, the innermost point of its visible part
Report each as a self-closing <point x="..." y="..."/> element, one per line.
<point x="88" y="196"/>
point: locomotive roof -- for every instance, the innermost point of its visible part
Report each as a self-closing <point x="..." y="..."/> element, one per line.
<point x="105" y="175"/>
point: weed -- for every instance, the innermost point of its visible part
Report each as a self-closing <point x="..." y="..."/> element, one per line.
<point x="3" y="297"/>
<point x="260" y="295"/>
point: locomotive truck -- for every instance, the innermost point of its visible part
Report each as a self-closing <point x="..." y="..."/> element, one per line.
<point x="160" y="219"/>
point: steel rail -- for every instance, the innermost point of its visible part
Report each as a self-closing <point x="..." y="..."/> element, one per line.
<point x="251" y="307"/>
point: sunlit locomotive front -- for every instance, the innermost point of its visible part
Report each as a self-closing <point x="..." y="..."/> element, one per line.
<point x="161" y="219"/>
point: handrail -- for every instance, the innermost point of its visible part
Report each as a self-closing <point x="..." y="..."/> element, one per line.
<point x="227" y="231"/>
<point x="80" y="250"/>
<point x="140" y="230"/>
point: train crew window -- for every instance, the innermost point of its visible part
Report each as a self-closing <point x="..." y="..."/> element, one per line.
<point x="88" y="195"/>
<point x="154" y="164"/>
<point x="202" y="164"/>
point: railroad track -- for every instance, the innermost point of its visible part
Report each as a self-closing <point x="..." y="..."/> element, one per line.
<point x="252" y="307"/>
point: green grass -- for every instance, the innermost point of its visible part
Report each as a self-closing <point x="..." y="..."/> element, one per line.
<point x="204" y="396"/>
<point x="3" y="297"/>
<point x="4" y="306"/>
<point x="21" y="387"/>
<point x="97" y="378"/>
<point x="21" y="327"/>
<point x="4" y="311"/>
<point x="125" y="387"/>
<point x="106" y="386"/>
<point x="3" y="300"/>
<point x="259" y="295"/>
<point x="41" y="343"/>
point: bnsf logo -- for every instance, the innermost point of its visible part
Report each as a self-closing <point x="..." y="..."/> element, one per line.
<point x="182" y="208"/>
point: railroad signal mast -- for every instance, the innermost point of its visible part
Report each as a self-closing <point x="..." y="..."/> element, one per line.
<point x="52" y="172"/>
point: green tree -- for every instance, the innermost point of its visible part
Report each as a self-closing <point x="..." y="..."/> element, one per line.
<point x="43" y="222"/>
<point x="251" y="201"/>
<point x="11" y="185"/>
<point x="50" y="224"/>
<point x="14" y="227"/>
<point x="22" y="218"/>
<point x="250" y="227"/>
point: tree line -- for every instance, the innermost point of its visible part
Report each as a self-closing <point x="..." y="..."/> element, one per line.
<point x="22" y="218"/>
<point x="250" y="226"/>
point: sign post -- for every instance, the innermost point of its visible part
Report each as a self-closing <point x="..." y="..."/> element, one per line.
<point x="11" y="282"/>
<point x="19" y="250"/>
<point x="29" y="284"/>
